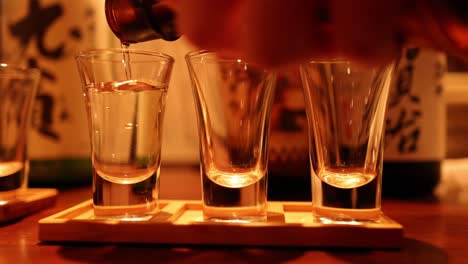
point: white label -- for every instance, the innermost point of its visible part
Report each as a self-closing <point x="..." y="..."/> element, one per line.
<point x="416" y="121"/>
<point x="46" y="34"/>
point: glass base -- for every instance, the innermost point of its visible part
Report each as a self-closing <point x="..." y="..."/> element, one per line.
<point x="234" y="214"/>
<point x="141" y="212"/>
<point x="130" y="202"/>
<point x="331" y="215"/>
<point x="237" y="220"/>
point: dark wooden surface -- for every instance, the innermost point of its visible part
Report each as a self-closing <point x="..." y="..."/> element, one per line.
<point x="436" y="231"/>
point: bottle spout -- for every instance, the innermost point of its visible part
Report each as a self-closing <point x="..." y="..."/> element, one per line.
<point x="134" y="21"/>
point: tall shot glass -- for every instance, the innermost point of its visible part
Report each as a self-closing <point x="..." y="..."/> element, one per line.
<point x="125" y="93"/>
<point x="345" y="106"/>
<point x="233" y="100"/>
<point x="18" y="88"/>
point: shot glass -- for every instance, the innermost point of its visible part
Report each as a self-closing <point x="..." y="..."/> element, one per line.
<point x="345" y="106"/>
<point x="18" y="88"/>
<point x="125" y="93"/>
<point x="233" y="100"/>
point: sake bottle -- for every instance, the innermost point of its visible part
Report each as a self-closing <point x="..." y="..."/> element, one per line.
<point x="46" y="34"/>
<point x="415" y="135"/>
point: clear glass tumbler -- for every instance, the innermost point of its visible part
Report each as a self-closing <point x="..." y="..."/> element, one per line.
<point x="345" y="106"/>
<point x="18" y="88"/>
<point x="125" y="93"/>
<point x="233" y="99"/>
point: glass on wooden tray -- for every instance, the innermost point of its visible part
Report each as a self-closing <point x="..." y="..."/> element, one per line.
<point x="345" y="106"/>
<point x="233" y="100"/>
<point x="125" y="93"/>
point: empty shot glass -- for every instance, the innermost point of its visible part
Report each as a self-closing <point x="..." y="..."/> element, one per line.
<point x="345" y="106"/>
<point x="125" y="94"/>
<point x="233" y="100"/>
<point x="18" y="88"/>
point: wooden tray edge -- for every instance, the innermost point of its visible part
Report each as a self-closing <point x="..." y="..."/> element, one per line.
<point x="51" y="229"/>
<point x="28" y="202"/>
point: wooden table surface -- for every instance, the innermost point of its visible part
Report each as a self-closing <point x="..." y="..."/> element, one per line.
<point x="436" y="231"/>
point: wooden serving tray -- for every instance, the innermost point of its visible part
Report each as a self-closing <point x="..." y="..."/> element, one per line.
<point x="26" y="202"/>
<point x="181" y="223"/>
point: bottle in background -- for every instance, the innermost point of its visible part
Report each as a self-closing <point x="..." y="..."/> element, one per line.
<point x="415" y="126"/>
<point x="45" y="34"/>
<point x="288" y="157"/>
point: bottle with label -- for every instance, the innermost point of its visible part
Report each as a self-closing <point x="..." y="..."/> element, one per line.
<point x="45" y="34"/>
<point x="415" y="133"/>
<point x="288" y="154"/>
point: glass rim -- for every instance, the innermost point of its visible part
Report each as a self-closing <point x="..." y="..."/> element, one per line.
<point x="14" y="68"/>
<point x="339" y="60"/>
<point x="329" y="60"/>
<point x="94" y="53"/>
<point x="198" y="56"/>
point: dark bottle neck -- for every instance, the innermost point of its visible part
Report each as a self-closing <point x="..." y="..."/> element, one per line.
<point x="134" y="21"/>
